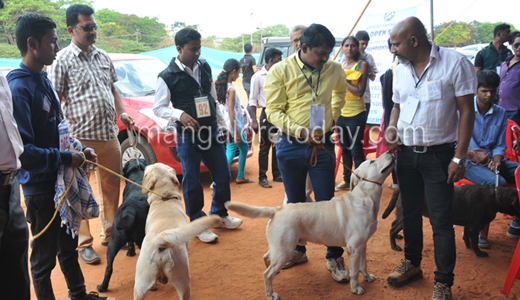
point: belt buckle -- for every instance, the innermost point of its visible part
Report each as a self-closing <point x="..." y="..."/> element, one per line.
<point x="419" y="149"/>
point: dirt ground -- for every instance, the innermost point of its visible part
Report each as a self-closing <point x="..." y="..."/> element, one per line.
<point x="232" y="267"/>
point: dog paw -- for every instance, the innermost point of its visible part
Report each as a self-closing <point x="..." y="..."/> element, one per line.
<point x="101" y="288"/>
<point x="274" y="296"/>
<point x="397" y="248"/>
<point x="154" y="287"/>
<point x="358" y="290"/>
<point x="399" y="237"/>
<point x="481" y="254"/>
<point x="130" y="252"/>
<point x="370" y="278"/>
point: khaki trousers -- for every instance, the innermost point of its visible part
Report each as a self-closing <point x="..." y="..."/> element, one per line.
<point x="109" y="155"/>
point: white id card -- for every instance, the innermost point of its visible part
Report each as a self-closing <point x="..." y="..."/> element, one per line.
<point x="409" y="108"/>
<point x="317" y="118"/>
<point x="202" y="107"/>
<point x="498" y="70"/>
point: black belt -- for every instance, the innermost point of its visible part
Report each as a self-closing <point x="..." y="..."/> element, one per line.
<point x="6" y="177"/>
<point x="424" y="149"/>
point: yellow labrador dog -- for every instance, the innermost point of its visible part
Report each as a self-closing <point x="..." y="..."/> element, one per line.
<point x="346" y="221"/>
<point x="164" y="252"/>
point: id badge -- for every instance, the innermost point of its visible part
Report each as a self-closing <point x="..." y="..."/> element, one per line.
<point x="202" y="107"/>
<point x="317" y="117"/>
<point x="409" y="108"/>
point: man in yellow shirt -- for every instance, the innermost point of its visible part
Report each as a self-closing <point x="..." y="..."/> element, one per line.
<point x="304" y="96"/>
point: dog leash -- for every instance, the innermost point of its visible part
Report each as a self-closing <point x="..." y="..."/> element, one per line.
<point x="85" y="160"/>
<point x="314" y="159"/>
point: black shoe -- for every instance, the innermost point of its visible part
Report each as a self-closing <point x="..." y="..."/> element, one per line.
<point x="90" y="256"/>
<point x="264" y="183"/>
<point x="278" y="179"/>
<point x="95" y="296"/>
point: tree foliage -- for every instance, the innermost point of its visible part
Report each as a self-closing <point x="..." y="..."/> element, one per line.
<point x="237" y="44"/>
<point x="462" y="34"/>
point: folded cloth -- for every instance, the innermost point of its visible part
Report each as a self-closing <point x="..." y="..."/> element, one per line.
<point x="79" y="202"/>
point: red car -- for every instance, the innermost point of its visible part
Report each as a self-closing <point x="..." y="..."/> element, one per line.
<point x="137" y="76"/>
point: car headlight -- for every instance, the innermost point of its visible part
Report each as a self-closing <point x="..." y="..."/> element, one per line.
<point x="165" y="125"/>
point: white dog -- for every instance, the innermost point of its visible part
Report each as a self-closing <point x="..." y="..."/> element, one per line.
<point x="346" y="221"/>
<point x="164" y="252"/>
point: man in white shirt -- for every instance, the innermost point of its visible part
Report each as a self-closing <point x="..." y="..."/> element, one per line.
<point x="14" y="235"/>
<point x="188" y="85"/>
<point x="267" y="130"/>
<point x="433" y="111"/>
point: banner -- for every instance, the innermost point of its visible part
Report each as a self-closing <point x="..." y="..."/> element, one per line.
<point x="378" y="27"/>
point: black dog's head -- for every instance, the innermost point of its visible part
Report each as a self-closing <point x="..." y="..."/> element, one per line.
<point x="134" y="164"/>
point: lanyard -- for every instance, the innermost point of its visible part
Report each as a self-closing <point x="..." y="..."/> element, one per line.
<point x="200" y="74"/>
<point x="309" y="82"/>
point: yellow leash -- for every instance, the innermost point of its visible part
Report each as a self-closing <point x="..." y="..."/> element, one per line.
<point x="85" y="160"/>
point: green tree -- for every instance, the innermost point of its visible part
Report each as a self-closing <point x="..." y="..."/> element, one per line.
<point x="457" y="35"/>
<point x="484" y="31"/>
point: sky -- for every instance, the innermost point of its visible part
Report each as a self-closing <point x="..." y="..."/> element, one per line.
<point x="231" y="18"/>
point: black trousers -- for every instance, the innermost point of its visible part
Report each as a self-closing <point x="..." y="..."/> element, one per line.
<point x="420" y="174"/>
<point x="14" y="236"/>
<point x="267" y="130"/>
<point x="55" y="241"/>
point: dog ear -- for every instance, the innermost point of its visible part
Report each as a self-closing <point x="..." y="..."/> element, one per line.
<point x="148" y="180"/>
<point x="173" y="176"/>
<point x="354" y="180"/>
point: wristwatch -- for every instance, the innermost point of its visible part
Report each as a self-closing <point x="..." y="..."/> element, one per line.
<point x="460" y="162"/>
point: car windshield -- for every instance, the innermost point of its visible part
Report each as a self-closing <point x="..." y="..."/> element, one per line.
<point x="137" y="77"/>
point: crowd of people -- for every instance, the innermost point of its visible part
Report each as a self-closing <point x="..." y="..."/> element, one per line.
<point x="445" y="119"/>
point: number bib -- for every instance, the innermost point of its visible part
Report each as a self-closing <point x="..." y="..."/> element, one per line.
<point x="202" y="106"/>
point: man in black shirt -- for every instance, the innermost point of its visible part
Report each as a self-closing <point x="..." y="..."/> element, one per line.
<point x="248" y="65"/>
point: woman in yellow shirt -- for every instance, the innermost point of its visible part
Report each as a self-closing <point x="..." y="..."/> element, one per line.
<point x="351" y="123"/>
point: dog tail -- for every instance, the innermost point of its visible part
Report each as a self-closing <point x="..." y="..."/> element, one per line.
<point x="252" y="212"/>
<point x="127" y="221"/>
<point x="182" y="235"/>
<point x="391" y="204"/>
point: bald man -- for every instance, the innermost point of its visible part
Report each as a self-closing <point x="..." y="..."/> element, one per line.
<point x="432" y="87"/>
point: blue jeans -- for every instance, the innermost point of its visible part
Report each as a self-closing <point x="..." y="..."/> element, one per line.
<point x="351" y="131"/>
<point x="484" y="176"/>
<point x="420" y="174"/>
<point x="231" y="149"/>
<point x="211" y="151"/>
<point x="294" y="163"/>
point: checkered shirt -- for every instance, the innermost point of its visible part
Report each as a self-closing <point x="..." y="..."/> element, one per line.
<point x="86" y="85"/>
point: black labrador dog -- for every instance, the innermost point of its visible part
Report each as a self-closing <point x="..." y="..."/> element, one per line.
<point x="130" y="220"/>
<point x="474" y="206"/>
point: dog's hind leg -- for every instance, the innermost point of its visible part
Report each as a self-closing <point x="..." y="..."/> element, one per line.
<point x="268" y="279"/>
<point x="397" y="226"/>
<point x="267" y="260"/>
<point x="180" y="279"/>
<point x="114" y="245"/>
<point x="145" y="275"/>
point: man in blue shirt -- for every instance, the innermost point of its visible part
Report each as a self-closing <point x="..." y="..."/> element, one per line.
<point x="489" y="134"/>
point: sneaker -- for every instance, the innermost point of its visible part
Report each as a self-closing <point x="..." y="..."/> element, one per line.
<point x="441" y="291"/>
<point x="207" y="236"/>
<point x="229" y="223"/>
<point x="404" y="273"/>
<point x="337" y="267"/>
<point x="342" y="186"/>
<point x="95" y="296"/>
<point x="482" y="240"/>
<point x="298" y="257"/>
<point x="514" y="230"/>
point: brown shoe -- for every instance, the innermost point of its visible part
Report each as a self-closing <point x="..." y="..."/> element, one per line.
<point x="298" y="257"/>
<point x="441" y="291"/>
<point x="404" y="273"/>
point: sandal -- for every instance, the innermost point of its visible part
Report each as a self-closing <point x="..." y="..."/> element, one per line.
<point x="244" y="180"/>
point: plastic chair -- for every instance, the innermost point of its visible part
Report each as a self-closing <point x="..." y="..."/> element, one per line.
<point x="514" y="268"/>
<point x="512" y="135"/>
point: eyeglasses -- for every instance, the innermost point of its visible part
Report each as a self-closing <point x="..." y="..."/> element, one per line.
<point x="88" y="28"/>
<point x="296" y="41"/>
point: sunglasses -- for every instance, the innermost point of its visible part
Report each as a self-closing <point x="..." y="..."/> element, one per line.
<point x="87" y="28"/>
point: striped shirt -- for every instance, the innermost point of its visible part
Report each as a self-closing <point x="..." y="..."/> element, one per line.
<point x="86" y="84"/>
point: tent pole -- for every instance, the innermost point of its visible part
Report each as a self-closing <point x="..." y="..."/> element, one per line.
<point x="353" y="27"/>
<point x="431" y="20"/>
